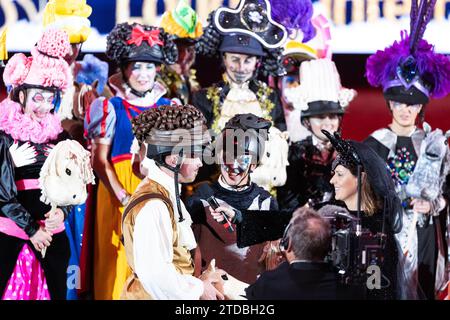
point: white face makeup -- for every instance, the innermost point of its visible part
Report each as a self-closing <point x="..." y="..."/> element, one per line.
<point x="329" y="122"/>
<point x="235" y="179"/>
<point x="39" y="103"/>
<point x="239" y="67"/>
<point x="290" y="81"/>
<point x="404" y="115"/>
<point x="235" y="171"/>
<point x="141" y="75"/>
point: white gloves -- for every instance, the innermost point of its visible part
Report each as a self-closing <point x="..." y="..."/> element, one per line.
<point x="23" y="155"/>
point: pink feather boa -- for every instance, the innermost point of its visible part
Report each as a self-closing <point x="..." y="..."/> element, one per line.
<point x="22" y="127"/>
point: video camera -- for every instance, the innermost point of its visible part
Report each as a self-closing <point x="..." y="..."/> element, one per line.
<point x="352" y="251"/>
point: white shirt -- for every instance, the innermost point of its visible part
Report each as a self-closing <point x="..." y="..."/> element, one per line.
<point x="152" y="247"/>
<point x="318" y="143"/>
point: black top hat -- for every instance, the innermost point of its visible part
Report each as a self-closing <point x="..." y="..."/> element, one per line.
<point x="316" y="108"/>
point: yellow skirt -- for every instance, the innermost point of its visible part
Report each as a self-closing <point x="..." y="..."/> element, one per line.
<point x="110" y="264"/>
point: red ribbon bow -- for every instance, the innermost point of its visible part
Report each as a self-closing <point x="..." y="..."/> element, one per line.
<point x="139" y="34"/>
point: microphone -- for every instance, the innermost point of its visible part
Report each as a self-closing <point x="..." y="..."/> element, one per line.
<point x="225" y="222"/>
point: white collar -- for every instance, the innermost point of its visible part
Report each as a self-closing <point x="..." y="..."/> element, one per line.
<point x="155" y="173"/>
<point x="149" y="99"/>
<point x="224" y="185"/>
<point x="124" y="91"/>
<point x="185" y="233"/>
<point x="318" y="143"/>
<point x="408" y="135"/>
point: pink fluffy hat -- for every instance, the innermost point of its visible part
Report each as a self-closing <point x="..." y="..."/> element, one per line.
<point x="46" y="68"/>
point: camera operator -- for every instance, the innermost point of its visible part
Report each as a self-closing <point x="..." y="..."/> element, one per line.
<point x="305" y="274"/>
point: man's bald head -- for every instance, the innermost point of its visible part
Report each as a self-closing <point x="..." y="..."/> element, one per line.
<point x="309" y="235"/>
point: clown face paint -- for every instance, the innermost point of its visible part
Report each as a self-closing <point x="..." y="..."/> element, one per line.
<point x="235" y="172"/>
<point x="239" y="67"/>
<point x="141" y="75"/>
<point x="288" y="82"/>
<point x="39" y="103"/>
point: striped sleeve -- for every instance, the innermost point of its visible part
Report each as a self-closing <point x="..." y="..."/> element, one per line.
<point x="100" y="121"/>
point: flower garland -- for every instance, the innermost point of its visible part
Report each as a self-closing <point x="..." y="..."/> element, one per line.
<point x="262" y="95"/>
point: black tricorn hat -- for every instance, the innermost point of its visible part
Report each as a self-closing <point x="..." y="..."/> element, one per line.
<point x="252" y="17"/>
<point x="241" y="43"/>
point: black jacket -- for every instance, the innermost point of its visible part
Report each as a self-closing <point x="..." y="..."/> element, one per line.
<point x="23" y="207"/>
<point x="299" y="281"/>
<point x="308" y="176"/>
<point x="240" y="200"/>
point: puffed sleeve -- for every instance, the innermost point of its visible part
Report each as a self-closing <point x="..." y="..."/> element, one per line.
<point x="9" y="205"/>
<point x="165" y="102"/>
<point x="135" y="146"/>
<point x="100" y="121"/>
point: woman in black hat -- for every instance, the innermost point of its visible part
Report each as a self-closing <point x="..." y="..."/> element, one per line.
<point x="361" y="181"/>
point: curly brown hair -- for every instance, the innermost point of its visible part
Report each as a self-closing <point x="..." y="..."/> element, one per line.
<point x="166" y="118"/>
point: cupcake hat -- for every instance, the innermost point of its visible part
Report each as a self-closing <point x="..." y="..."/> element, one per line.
<point x="45" y="68"/>
<point x="182" y="22"/>
<point x="71" y="16"/>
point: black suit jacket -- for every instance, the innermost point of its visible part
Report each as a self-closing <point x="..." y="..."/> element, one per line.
<point x="299" y="281"/>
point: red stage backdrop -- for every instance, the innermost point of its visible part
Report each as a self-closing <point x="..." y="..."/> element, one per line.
<point x="369" y="112"/>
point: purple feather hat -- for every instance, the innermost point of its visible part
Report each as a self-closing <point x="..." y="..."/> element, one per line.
<point x="409" y="70"/>
<point x="294" y="15"/>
